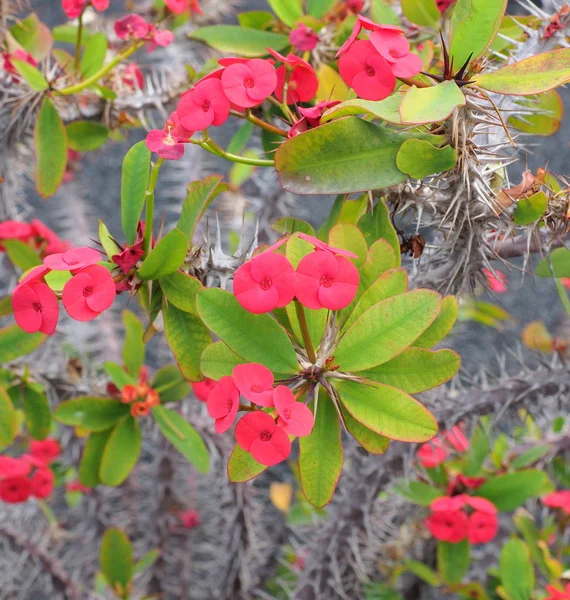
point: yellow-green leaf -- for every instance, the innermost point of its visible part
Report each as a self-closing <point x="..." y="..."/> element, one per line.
<point x="165" y="257"/>
<point x="242" y="466"/>
<point x="121" y="452"/>
<point x="420" y="159"/>
<point x="51" y="149"/>
<point x="116" y="558"/>
<point x="431" y="104"/>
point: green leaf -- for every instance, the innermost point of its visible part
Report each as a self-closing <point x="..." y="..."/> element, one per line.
<point x="51" y="149"/>
<point x="378" y="225"/>
<point x="387" y="411"/>
<point x="135" y="174"/>
<point x="370" y="440"/>
<point x="421" y="12"/>
<point x="510" y="490"/>
<point x="180" y="289"/>
<point x="170" y="384"/>
<point x="85" y="136"/>
<point x="256" y="338"/>
<point x="530" y="456"/>
<point x="453" y="560"/>
<point x="133" y="349"/>
<point x="527" y="527"/>
<point x="442" y="324"/>
<point x="118" y="375"/>
<point x="331" y="84"/>
<point x="255" y="19"/>
<point x="380" y="259"/>
<point x="431" y="104"/>
<point x="416" y="370"/>
<point x="548" y="112"/>
<point x="242" y="466"/>
<point x="321" y="455"/>
<point x="418" y="492"/>
<point x="219" y="361"/>
<point x="474" y="26"/>
<point x="319" y="8"/>
<point x="146" y="561"/>
<point x="385" y="110"/>
<point x="419" y="159"/>
<point x="36" y="411"/>
<point x="121" y="452"/>
<point x="516" y="570"/>
<point x="183" y="437"/>
<point x="90" y="412"/>
<point x="478" y="452"/>
<point x="21" y="255"/>
<point x="116" y="558"/>
<point x="349" y="237"/>
<point x="386" y="330"/>
<point x="292" y="225"/>
<point x="560" y="259"/>
<point x="57" y="279"/>
<point x="187" y="338"/>
<point x="201" y="194"/>
<point x="383" y="12"/>
<point x="68" y="34"/>
<point x="530" y="76"/>
<point x="109" y="245"/>
<point x="165" y="258"/>
<point x="530" y="210"/>
<point x="5" y="306"/>
<point x="15" y="342"/>
<point x="33" y="36"/>
<point x="91" y="459"/>
<point x="244" y="41"/>
<point x="422" y="571"/>
<point x="345" y="156"/>
<point x="31" y="75"/>
<point x="288" y="11"/>
<point x="93" y="55"/>
<point x="8" y="420"/>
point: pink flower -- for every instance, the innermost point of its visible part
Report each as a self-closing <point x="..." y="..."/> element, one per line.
<point x="133" y="76"/>
<point x="431" y="455"/>
<point x="254" y="382"/>
<point x="53" y="243"/>
<point x="86" y="295"/>
<point x="265" y="282"/>
<point x="366" y="72"/>
<point x="13" y="467"/>
<point x="19" y="54"/>
<point x="363" y="23"/>
<point x="302" y="85"/>
<point x="42" y="483"/>
<point x="319" y="245"/>
<point x="204" y="105"/>
<point x="325" y="280"/>
<point x="223" y="403"/>
<point x="72" y="260"/>
<point x="314" y="113"/>
<point x="180" y="133"/>
<point x="443" y="5"/>
<point x="202" y="389"/>
<point x="129" y="256"/>
<point x="77" y="486"/>
<point x="15" y="230"/>
<point x="565" y="282"/>
<point x="249" y="84"/>
<point x="395" y="48"/>
<point x="189" y="519"/>
<point x="295" y="418"/>
<point x="558" y="500"/>
<point x="32" y="276"/>
<point x="100" y="4"/>
<point x="164" y="144"/>
<point x="556" y="594"/>
<point x="35" y="307"/>
<point x="14" y="490"/>
<point x="497" y="281"/>
<point x="47" y="450"/>
<point x="73" y="8"/>
<point x="456" y="439"/>
<point x="448" y="526"/>
<point x="158" y="37"/>
<point x="177" y="6"/>
<point x="257" y="433"/>
<point x="482" y="527"/>
<point x="354" y="6"/>
<point x="303" y="38"/>
<point x="462" y="481"/>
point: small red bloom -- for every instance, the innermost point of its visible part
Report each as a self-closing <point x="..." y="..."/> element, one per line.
<point x="140" y="409"/>
<point x="133" y="76"/>
<point x="295" y="418"/>
<point x="158" y="37"/>
<point x="482" y="527"/>
<point x="42" y="483"/>
<point x="431" y="455"/>
<point x="22" y="55"/>
<point x="223" y="403"/>
<point x="73" y="8"/>
<point x="558" y="500"/>
<point x="13" y="467"/>
<point x="88" y="293"/>
<point x="177" y="6"/>
<point x="77" y="486"/>
<point x="100" y="4"/>
<point x="301" y="86"/>
<point x="303" y="38"/>
<point x="129" y="256"/>
<point x="53" y="243"/>
<point x="257" y="433"/>
<point x="471" y="483"/>
<point x="254" y="382"/>
<point x="129" y="393"/>
<point x="448" y="526"/>
<point x="152" y="398"/>
<point x="15" y="230"/>
<point x="443" y="5"/>
<point x="131" y="26"/>
<point x="162" y="142"/>
<point x="265" y="282"/>
<point x="204" y="105"/>
<point x="393" y="46"/>
<point x="456" y="439"/>
<point x="47" y="450"/>
<point x="72" y="260"/>
<point x="325" y="280"/>
<point x="35" y="307"/>
<point x="363" y="23"/>
<point x="14" y="490"/>
<point x="189" y="519"/>
<point x="314" y="113"/>
<point x="497" y="281"/>
<point x="479" y="504"/>
<point x="556" y="594"/>
<point x="202" y="389"/>
<point x="249" y="84"/>
<point x="354" y="6"/>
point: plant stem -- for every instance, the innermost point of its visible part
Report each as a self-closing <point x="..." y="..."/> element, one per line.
<point x="211" y="146"/>
<point x="417" y="82"/>
<point x="563" y="295"/>
<point x="305" y="331"/>
<point x="149" y="213"/>
<point x="78" y="87"/>
<point x="267" y="126"/>
<point x="78" y="43"/>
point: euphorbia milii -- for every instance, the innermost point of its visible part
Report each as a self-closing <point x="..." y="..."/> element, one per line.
<point x="88" y="293"/>
<point x="223" y="403"/>
<point x="73" y="259"/>
<point x="254" y="382"/>
<point x="295" y="417"/>
<point x="202" y="389"/>
<point x="204" y="105"/>
<point x="258" y="434"/>
<point x="303" y="38"/>
<point x="249" y="84"/>
<point x="35" y="307"/>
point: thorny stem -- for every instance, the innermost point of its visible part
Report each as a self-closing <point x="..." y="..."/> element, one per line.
<point x="305" y="331"/>
<point x="256" y="121"/>
<point x="149" y="213"/>
<point x="417" y="82"/>
<point x="210" y="146"/>
<point x="562" y="294"/>
<point x="78" y="43"/>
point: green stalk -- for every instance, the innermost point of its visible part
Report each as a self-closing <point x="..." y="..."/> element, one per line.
<point x="149" y="212"/>
<point x="305" y="331"/>
<point x="78" y="43"/>
<point x="211" y="146"/>
<point x="563" y="295"/>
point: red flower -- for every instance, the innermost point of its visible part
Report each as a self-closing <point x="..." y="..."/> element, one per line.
<point x="456" y="439"/>
<point x="448" y="526"/>
<point x="303" y="38"/>
<point x="366" y="72"/>
<point x="431" y="455"/>
<point x="129" y="256"/>
<point x="131" y="26"/>
<point x="482" y="527"/>
<point x="86" y="295"/>
<point x="42" y="483"/>
<point x="325" y="280"/>
<point x="302" y="82"/>
<point x="100" y="4"/>
<point x="54" y="244"/>
<point x="189" y="519"/>
<point x="314" y="114"/>
<point x="497" y="281"/>
<point x="556" y="594"/>
<point x="204" y="105"/>
<point x="443" y="5"/>
<point x="177" y="6"/>
<point x="22" y="55"/>
<point x="14" y="490"/>
<point x="257" y="433"/>
<point x="35" y="307"/>
<point x="295" y="418"/>
<point x="129" y="393"/>
<point x="180" y="133"/>
<point x="73" y="8"/>
<point x="140" y="409"/>
<point x="558" y="500"/>
<point x="249" y="84"/>
<point x="254" y="382"/>
<point x="13" y="467"/>
<point x="162" y="142"/>
<point x="133" y="76"/>
<point x="15" y="230"/>
<point x="354" y="6"/>
<point x="46" y="450"/>
<point x="202" y="389"/>
<point x="395" y="48"/>
<point x="363" y="23"/>
<point x="158" y="37"/>
<point x="265" y="282"/>
<point x="77" y="486"/>
<point x="72" y="260"/>
<point x="471" y="483"/>
<point x="448" y="504"/>
<point x="223" y="403"/>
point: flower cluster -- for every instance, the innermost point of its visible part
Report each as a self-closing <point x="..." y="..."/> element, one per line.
<point x="179" y="7"/>
<point x="325" y="278"/>
<point x="449" y="521"/>
<point x="134" y="27"/>
<point x="37" y="235"/>
<point x="436" y="451"/>
<point x="370" y="67"/>
<point x="29" y="475"/>
<point x="303" y="38"/>
<point x="263" y="433"/>
<point x="141" y="397"/>
<point x="74" y="8"/>
<point x="87" y="293"/>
